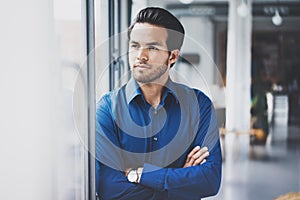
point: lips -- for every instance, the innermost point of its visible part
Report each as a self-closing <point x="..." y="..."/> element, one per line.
<point x="142" y="66"/>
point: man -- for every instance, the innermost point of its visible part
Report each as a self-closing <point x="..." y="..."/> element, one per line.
<point x="156" y="139"/>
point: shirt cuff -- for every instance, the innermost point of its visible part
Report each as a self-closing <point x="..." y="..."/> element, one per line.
<point x="153" y="177"/>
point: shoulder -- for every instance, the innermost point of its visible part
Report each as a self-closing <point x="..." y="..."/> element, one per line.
<point x="108" y="99"/>
<point x="104" y="100"/>
<point x="202" y="97"/>
<point x="187" y="93"/>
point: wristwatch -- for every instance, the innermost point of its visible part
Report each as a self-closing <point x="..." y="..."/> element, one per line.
<point x="133" y="176"/>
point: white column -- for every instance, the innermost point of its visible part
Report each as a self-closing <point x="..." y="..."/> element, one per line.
<point x="238" y="75"/>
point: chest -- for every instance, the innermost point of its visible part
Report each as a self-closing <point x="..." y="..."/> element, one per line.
<point x="161" y="136"/>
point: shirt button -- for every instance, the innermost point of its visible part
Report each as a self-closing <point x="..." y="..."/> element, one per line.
<point x="155" y="138"/>
<point x="155" y="111"/>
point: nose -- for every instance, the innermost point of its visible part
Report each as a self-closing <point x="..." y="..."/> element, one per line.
<point x="142" y="54"/>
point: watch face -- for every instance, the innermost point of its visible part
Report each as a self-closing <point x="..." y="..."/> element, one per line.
<point x="132" y="176"/>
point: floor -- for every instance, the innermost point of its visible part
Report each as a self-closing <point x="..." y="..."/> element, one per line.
<point x="261" y="172"/>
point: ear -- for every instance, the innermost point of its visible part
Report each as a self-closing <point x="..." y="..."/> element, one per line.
<point x="173" y="56"/>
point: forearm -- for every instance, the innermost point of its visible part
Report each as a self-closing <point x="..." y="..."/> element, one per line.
<point x="113" y="184"/>
<point x="197" y="181"/>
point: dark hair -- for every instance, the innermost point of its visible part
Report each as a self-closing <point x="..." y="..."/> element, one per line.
<point x="163" y="18"/>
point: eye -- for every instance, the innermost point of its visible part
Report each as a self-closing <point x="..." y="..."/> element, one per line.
<point x="153" y="48"/>
<point x="133" y="46"/>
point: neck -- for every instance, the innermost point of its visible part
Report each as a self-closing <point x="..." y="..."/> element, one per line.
<point x="152" y="92"/>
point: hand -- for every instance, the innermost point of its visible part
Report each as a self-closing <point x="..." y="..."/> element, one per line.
<point x="139" y="171"/>
<point x="196" y="157"/>
<point x="127" y="171"/>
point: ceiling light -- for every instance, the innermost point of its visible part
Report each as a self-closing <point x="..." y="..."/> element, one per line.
<point x="277" y="19"/>
<point x="186" y="1"/>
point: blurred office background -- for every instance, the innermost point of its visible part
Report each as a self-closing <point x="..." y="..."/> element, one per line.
<point x="244" y="54"/>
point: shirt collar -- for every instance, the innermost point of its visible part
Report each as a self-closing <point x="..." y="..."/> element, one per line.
<point x="133" y="90"/>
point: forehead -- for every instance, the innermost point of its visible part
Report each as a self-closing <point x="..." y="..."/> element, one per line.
<point x="145" y="33"/>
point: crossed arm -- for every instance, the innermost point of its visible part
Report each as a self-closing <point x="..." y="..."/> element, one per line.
<point x="194" y="179"/>
<point x="196" y="157"/>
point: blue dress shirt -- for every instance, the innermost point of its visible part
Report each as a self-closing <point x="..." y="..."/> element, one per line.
<point x="130" y="133"/>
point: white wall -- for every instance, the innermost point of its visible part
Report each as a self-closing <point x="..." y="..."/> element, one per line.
<point x="29" y="83"/>
<point x="200" y="39"/>
<point x="205" y="75"/>
<point x="39" y="151"/>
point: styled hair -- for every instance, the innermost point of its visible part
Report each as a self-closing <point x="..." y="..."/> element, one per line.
<point x="163" y="18"/>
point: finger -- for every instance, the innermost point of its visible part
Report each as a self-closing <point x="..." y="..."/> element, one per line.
<point x="190" y="163"/>
<point x="190" y="160"/>
<point x="195" y="162"/>
<point x="197" y="148"/>
<point x="201" y="158"/>
<point x="200" y="153"/>
<point x="197" y="153"/>
<point x="204" y="150"/>
<point x="198" y="157"/>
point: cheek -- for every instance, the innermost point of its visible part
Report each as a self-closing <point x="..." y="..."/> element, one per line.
<point x="160" y="58"/>
<point x="131" y="58"/>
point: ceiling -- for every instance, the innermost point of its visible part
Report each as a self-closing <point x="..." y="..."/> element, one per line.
<point x="218" y="1"/>
<point x="260" y="8"/>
